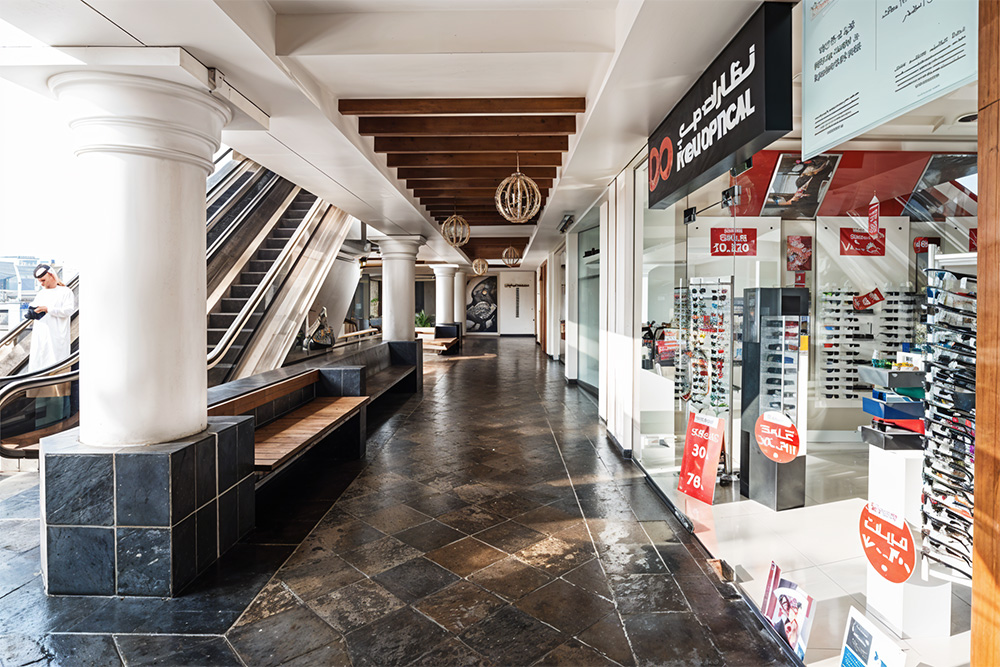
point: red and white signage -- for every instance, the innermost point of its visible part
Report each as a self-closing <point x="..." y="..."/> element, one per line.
<point x="734" y="242"/>
<point x="800" y="278"/>
<point x="866" y="301"/>
<point x="921" y="242"/>
<point x="855" y="242"/>
<point x="702" y="448"/>
<point x="873" y="215"/>
<point x="974" y="239"/>
<point x="777" y="436"/>
<point x="887" y="543"/>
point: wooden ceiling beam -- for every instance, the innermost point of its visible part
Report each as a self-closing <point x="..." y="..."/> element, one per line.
<point x="472" y="105"/>
<point x="476" y="126"/>
<point x="499" y="173"/>
<point x="548" y="159"/>
<point x="486" y="193"/>
<point x="470" y="144"/>
<point x="466" y="183"/>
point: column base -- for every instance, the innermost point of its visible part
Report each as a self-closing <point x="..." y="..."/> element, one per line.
<point x="143" y="521"/>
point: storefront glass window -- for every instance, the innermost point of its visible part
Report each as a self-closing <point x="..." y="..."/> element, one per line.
<point x="589" y="307"/>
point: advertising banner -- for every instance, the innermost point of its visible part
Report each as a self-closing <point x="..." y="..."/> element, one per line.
<point x="777" y="436"/>
<point x="741" y="103"/>
<point x="887" y="543"/>
<point x="867" y="646"/>
<point x="873" y="214"/>
<point x="702" y="449"/>
<point x="789" y="609"/>
<point x="798" y="186"/>
<point x="798" y="253"/>
<point x="974" y="239"/>
<point x="866" y="301"/>
<point x="859" y="243"/>
<point x="921" y="242"/>
<point x="866" y="62"/>
<point x="734" y="241"/>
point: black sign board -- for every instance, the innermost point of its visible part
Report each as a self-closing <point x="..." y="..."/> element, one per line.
<point x="742" y="103"/>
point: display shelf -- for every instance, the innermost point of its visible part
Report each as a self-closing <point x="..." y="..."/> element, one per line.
<point x="890" y="379"/>
<point x="897" y="440"/>
<point x="883" y="409"/>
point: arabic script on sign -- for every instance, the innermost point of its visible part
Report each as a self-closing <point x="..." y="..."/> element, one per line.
<point x="777" y="436"/>
<point x="887" y="543"/>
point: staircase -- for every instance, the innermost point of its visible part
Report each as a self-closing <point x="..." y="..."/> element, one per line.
<point x="225" y="313"/>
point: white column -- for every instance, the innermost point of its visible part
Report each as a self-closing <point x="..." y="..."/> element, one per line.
<point x="444" y="293"/>
<point x="145" y="147"/>
<point x="399" y="258"/>
<point x="461" y="276"/>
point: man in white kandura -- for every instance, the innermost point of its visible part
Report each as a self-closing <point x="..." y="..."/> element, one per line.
<point x="53" y="307"/>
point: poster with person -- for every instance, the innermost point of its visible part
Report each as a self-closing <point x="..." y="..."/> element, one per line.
<point x="798" y="186"/>
<point x="789" y="609"/>
<point x="481" y="305"/>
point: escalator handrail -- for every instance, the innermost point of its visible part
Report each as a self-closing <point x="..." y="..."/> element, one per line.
<point x="11" y="336"/>
<point x="226" y="177"/>
<point x="228" y="338"/>
<point x="247" y="211"/>
<point x="212" y="197"/>
<point x="38" y="380"/>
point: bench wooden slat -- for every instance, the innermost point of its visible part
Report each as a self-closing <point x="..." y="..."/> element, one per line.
<point x="286" y="436"/>
<point x="257" y="398"/>
<point x="440" y="343"/>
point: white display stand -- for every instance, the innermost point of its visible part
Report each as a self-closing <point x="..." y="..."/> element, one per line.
<point x="894" y="481"/>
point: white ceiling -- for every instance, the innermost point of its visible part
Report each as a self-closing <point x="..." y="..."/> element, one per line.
<point x="631" y="59"/>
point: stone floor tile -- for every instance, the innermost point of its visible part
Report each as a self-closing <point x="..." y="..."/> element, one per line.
<point x="549" y="519"/>
<point x="396" y="518"/>
<point x="437" y="504"/>
<point x="632" y="559"/>
<point x="510" y="536"/>
<point x="281" y="637"/>
<point x="662" y="532"/>
<point x="590" y="576"/>
<point x="273" y="599"/>
<point x="679" y="560"/>
<point x="176" y="650"/>
<point x="512" y="637"/>
<point x="565" y="607"/>
<point x="334" y="653"/>
<point x="415" y="579"/>
<point x="476" y="493"/>
<point x="510" y="579"/>
<point x="511" y="504"/>
<point x="574" y="654"/>
<point x="471" y="520"/>
<point x="397" y="639"/>
<point x="344" y="537"/>
<point x="459" y="606"/>
<point x="380" y="555"/>
<point x="466" y="556"/>
<point x="452" y="653"/>
<point x="429" y="536"/>
<point x="608" y="637"/>
<point x="554" y="556"/>
<point x="53" y="650"/>
<point x="688" y="646"/>
<point x="356" y="605"/>
<point x="322" y="575"/>
<point x="642" y="593"/>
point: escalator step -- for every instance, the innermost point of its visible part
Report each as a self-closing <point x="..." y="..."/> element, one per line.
<point x="224" y="320"/>
<point x="259" y="266"/>
<point x="242" y="291"/>
<point x="282" y="233"/>
<point x="251" y="278"/>
<point x="215" y="335"/>
<point x="275" y="244"/>
<point x="269" y="254"/>
<point x="232" y="305"/>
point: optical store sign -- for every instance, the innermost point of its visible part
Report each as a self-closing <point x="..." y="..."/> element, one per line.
<point x="739" y="105"/>
<point x="866" y="62"/>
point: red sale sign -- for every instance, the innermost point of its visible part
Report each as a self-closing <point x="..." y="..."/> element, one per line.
<point x="873" y="215"/>
<point x="974" y="239"/>
<point x="920" y="243"/>
<point x="866" y="301"/>
<point x="887" y="543"/>
<point x="858" y="243"/>
<point x="702" y="448"/>
<point x="734" y="241"/>
<point x="777" y="436"/>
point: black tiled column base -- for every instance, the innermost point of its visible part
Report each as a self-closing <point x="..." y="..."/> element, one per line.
<point x="144" y="521"/>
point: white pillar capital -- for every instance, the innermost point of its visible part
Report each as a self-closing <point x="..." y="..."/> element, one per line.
<point x="400" y="247"/>
<point x="444" y="270"/>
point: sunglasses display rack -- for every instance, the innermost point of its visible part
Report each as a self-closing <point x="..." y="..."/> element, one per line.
<point x="848" y="339"/>
<point x="682" y="321"/>
<point x="710" y="342"/>
<point x="950" y="426"/>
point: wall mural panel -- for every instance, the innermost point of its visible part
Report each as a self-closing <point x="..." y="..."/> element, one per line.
<point x="481" y="305"/>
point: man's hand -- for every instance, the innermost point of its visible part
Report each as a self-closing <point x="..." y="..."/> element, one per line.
<point x="41" y="309"/>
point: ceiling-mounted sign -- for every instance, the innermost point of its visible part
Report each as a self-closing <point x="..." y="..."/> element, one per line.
<point x="858" y="243"/>
<point x="734" y="241"/>
<point x="740" y="104"/>
<point x="873" y="216"/>
<point x="866" y="62"/>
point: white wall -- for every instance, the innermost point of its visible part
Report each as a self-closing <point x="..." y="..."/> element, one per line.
<point x="517" y="315"/>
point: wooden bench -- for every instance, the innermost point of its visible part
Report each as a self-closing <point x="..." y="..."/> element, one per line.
<point x="445" y="338"/>
<point x="440" y="344"/>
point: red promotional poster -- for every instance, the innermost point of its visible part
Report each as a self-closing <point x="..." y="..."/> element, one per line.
<point x="974" y="239"/>
<point x="702" y="448"/>
<point x="873" y="215"/>
<point x="777" y="437"/>
<point x="866" y="301"/>
<point x="887" y="543"/>
<point x="798" y="253"/>
<point x="860" y="244"/>
<point x="921" y="242"/>
<point x="800" y="279"/>
<point x="734" y="241"/>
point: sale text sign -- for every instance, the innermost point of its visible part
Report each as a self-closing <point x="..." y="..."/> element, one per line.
<point x="859" y="243"/>
<point x="777" y="436"/>
<point x="702" y="448"/>
<point x="887" y="543"/>
<point x="734" y="241"/>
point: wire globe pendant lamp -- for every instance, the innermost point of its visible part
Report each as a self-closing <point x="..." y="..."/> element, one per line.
<point x="479" y="266"/>
<point x="456" y="231"/>
<point x="518" y="198"/>
<point x="511" y="257"/>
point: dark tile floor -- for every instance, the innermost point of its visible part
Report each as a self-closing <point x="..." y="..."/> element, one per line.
<point x="492" y="525"/>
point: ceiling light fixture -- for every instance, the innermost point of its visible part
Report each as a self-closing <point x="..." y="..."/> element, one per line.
<point x="479" y="266"/>
<point x="518" y="198"/>
<point x="456" y="231"/>
<point x="511" y="257"/>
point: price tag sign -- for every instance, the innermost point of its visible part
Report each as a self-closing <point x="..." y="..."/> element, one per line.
<point x="777" y="436"/>
<point x="734" y="241"/>
<point x="866" y="301"/>
<point x="702" y="448"/>
<point x="873" y="216"/>
<point x="887" y="543"/>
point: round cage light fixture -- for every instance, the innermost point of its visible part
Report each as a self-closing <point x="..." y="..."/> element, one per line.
<point x="518" y="198"/>
<point x="511" y="256"/>
<point x="479" y="266"/>
<point x="456" y="231"/>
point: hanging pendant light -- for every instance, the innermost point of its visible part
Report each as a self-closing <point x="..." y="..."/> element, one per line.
<point x="456" y="231"/>
<point x="511" y="257"/>
<point x="518" y="198"/>
<point x="479" y="266"/>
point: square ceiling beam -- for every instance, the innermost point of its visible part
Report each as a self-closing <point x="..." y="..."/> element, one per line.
<point x="470" y="105"/>
<point x="475" y="126"/>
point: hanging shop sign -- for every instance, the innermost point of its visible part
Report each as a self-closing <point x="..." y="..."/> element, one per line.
<point x="921" y="242"/>
<point x="702" y="449"/>
<point x="734" y="241"/>
<point x="866" y="301"/>
<point x="873" y="215"/>
<point x="737" y="107"/>
<point x="777" y="436"/>
<point x="798" y="253"/>
<point x="800" y="278"/>
<point x="859" y="243"/>
<point x="974" y="239"/>
<point x="866" y="62"/>
<point x="887" y="543"/>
